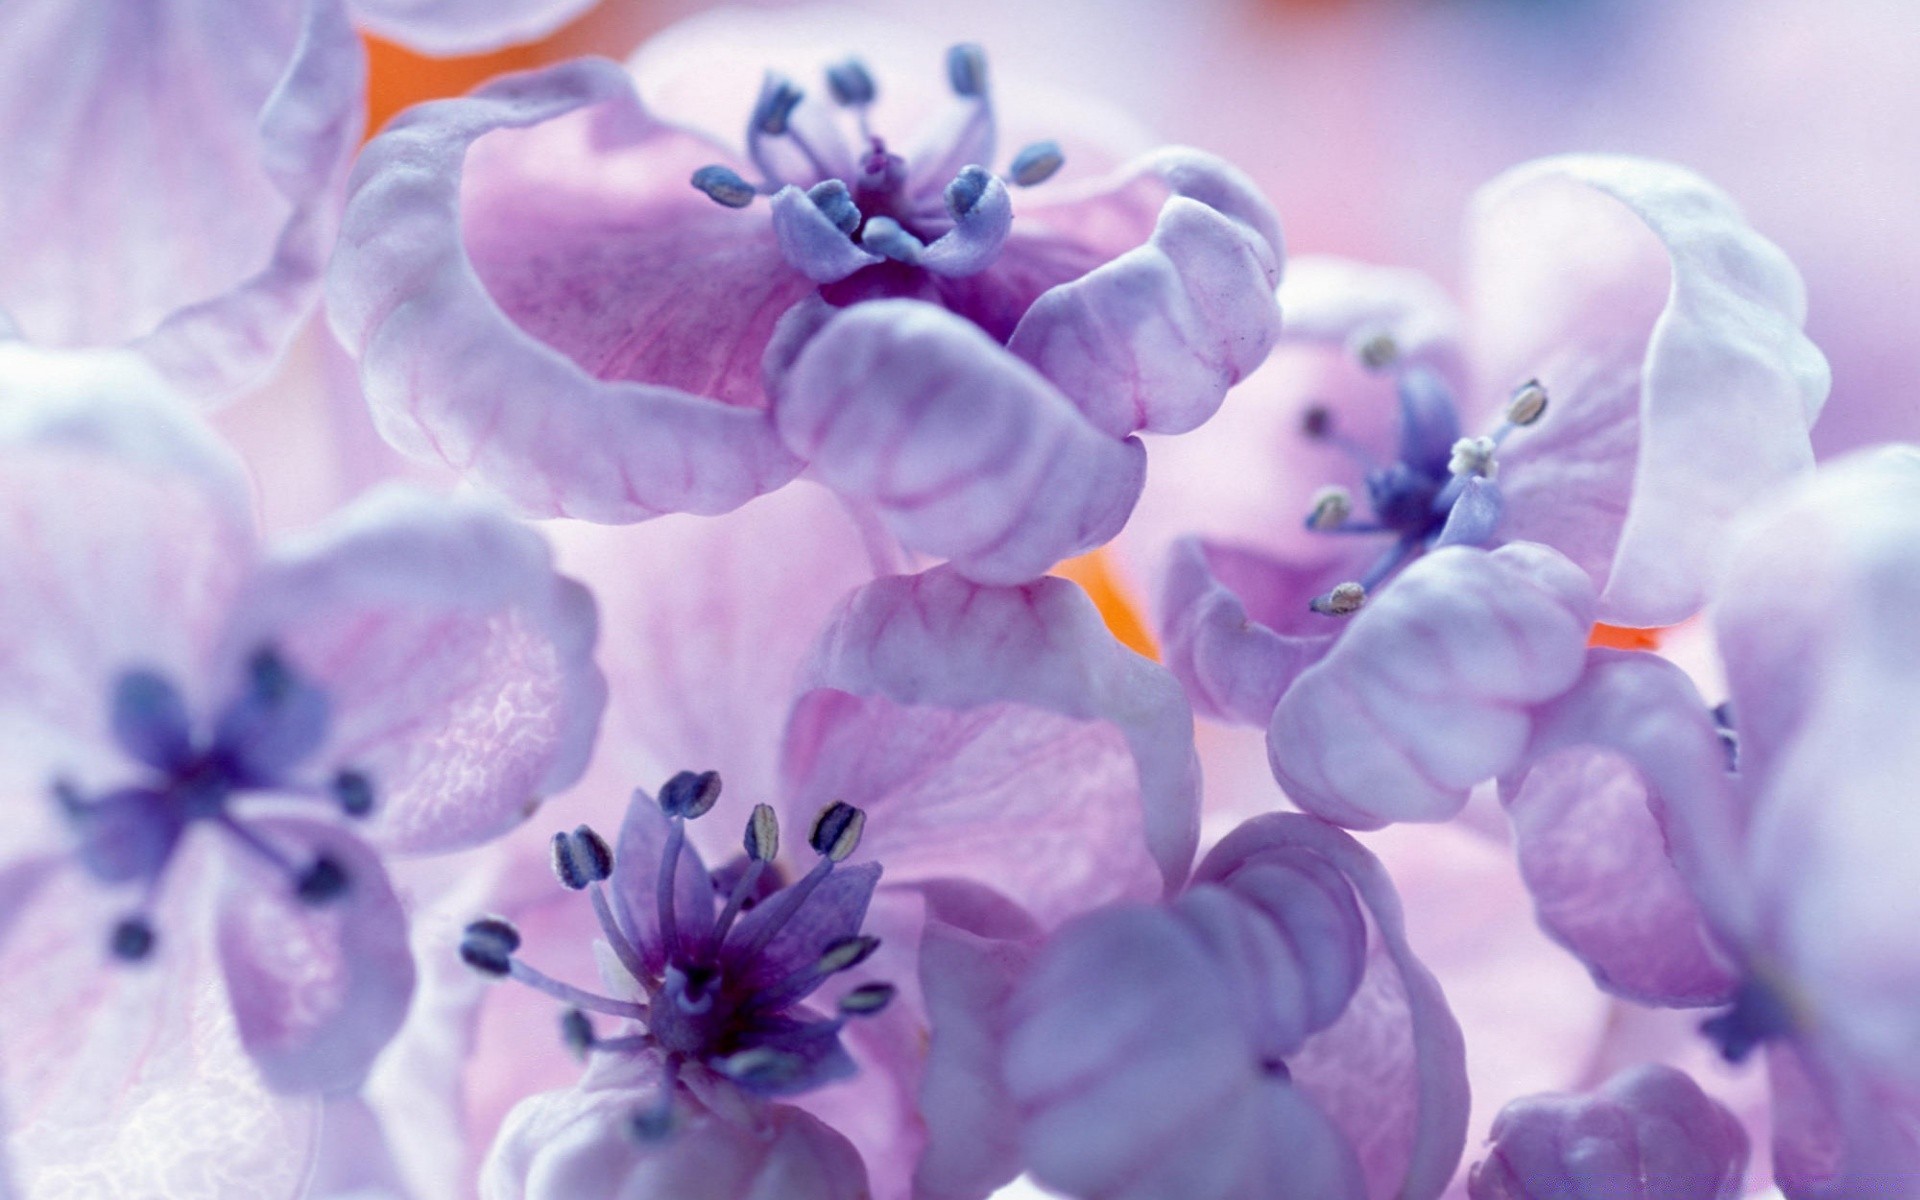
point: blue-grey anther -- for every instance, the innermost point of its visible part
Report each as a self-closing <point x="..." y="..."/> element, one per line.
<point x="836" y="204"/>
<point x="763" y="834"/>
<point x="836" y="831"/>
<point x="967" y="69"/>
<point x="777" y="101"/>
<point x="353" y="791"/>
<point x="132" y="939"/>
<point x="690" y="794"/>
<point x="723" y="185"/>
<point x="867" y="999"/>
<point x="576" y="1030"/>
<point x="885" y="237"/>
<point x="487" y="945"/>
<point x="581" y="858"/>
<point x="847" y="953"/>
<point x="1758" y="1015"/>
<point x="966" y="189"/>
<point x="851" y="83"/>
<point x="1036" y="164"/>
<point x="323" y="882"/>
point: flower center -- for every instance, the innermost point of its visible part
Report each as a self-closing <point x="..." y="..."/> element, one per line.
<point x="723" y="991"/>
<point x="258" y="740"/>
<point x="1439" y="490"/>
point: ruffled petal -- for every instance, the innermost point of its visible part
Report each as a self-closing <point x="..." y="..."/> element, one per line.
<point x="195" y="223"/>
<point x="566" y="380"/>
<point x="1426" y="693"/>
<point x="966" y="452"/>
<point x="987" y="709"/>
<point x="1153" y="339"/>
<point x="317" y="989"/>
<point x="444" y="28"/>
<point x="457" y="664"/>
<point x="1648" y="1134"/>
<point x="1667" y="333"/>
<point x="124" y="532"/>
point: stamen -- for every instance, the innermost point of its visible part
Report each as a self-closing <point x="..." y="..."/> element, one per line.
<point x="836" y="831"/>
<point x="1331" y="508"/>
<point x="623" y="947"/>
<point x="690" y="795"/>
<point x="1036" y="164"/>
<point x="843" y="954"/>
<point x="353" y="792"/>
<point x="581" y="858"/>
<point x="1377" y="351"/>
<point x="1344" y="600"/>
<point x="967" y="70"/>
<point x="846" y="953"/>
<point x="323" y="882"/>
<point x="966" y="189"/>
<point x="867" y="999"/>
<point x="778" y="98"/>
<point x="762" y="843"/>
<point x="1473" y="457"/>
<point x="762" y="840"/>
<point x="723" y="185"/>
<point x="836" y="204"/>
<point x="761" y="1068"/>
<point x="576" y="1030"/>
<point x="1529" y="403"/>
<point x="520" y="972"/>
<point x="664" y="890"/>
<point x="132" y="940"/>
<point x="487" y="945"/>
<point x="885" y="237"/>
<point x="851" y="83"/>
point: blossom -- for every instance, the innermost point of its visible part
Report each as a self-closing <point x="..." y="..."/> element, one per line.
<point x="177" y="166"/>
<point x="874" y="311"/>
<point x="1636" y="375"/>
<point x="1267" y="1031"/>
<point x="1649" y="1132"/>
<point x="209" y="746"/>
<point x="1749" y="856"/>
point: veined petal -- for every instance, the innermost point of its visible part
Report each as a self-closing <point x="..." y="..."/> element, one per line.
<point x="966" y="452"/>
<point x="457" y="664"/>
<point x="521" y="381"/>
<point x="195" y="225"/>
<point x="444" y="28"/>
<point x="317" y="989"/>
<point x="1427" y="692"/>
<point x="903" y="649"/>
<point x="1668" y="335"/>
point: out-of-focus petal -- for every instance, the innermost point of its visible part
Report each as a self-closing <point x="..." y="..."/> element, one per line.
<point x="444" y="28"/>
<point x="317" y="989"/>
<point x="1648" y="1134"/>
<point x="1667" y="333"/>
<point x="458" y="665"/>
<point x="1426" y="694"/>
<point x="176" y="167"/>
<point x="551" y="406"/>
<point x="966" y="452"/>
<point x="938" y="657"/>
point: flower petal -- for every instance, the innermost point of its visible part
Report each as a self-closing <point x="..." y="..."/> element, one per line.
<point x="195" y="225"/>
<point x="965" y="451"/>
<point x="984" y="709"/>
<point x="318" y="989"/>
<point x="1426" y="693"/>
<point x="458" y="665"/>
<point x="1667" y="333"/>
<point x="1153" y="339"/>
<point x="638" y="857"/>
<point x="810" y="243"/>
<point x="445" y="28"/>
<point x="534" y="381"/>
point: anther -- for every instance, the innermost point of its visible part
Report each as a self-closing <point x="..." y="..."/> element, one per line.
<point x="778" y="98"/>
<point x="885" y="237"/>
<point x="763" y="834"/>
<point x="132" y="939"/>
<point x="1344" y="600"/>
<point x="652" y="1124"/>
<point x="323" y="881"/>
<point x="1529" y="403"/>
<point x="1036" y="164"/>
<point x="689" y="794"/>
<point x="967" y="69"/>
<point x="1473" y="457"/>
<point x="1331" y="508"/>
<point x="487" y="945"/>
<point x="761" y="1067"/>
<point x="1378" y="351"/>
<point x="867" y="999"/>
<point x="851" y="83"/>
<point x="836" y="831"/>
<point x="269" y="674"/>
<point x="835" y="203"/>
<point x="581" y="858"/>
<point x="847" y="953"/>
<point x="576" y="1030"/>
<point x="723" y="185"/>
<point x="1317" y="422"/>
<point x="966" y="189"/>
<point x="353" y="792"/>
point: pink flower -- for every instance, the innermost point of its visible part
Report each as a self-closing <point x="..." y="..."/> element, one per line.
<point x="208" y="746"/>
<point x="876" y="310"/>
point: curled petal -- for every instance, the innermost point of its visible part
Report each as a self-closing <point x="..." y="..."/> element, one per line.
<point x="1682" y="387"/>
<point x="318" y="989"/>
<point x="1427" y="693"/>
<point x="457" y="664"/>
<point x="205" y="271"/>
<point x="444" y="28"/>
<point x="941" y="673"/>
<point x="1649" y="1134"/>
<point x="568" y="380"/>
<point x="965" y="451"/>
<point x="974" y="242"/>
<point x="812" y="244"/>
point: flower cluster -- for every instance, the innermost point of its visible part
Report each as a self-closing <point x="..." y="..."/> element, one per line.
<point x="779" y="503"/>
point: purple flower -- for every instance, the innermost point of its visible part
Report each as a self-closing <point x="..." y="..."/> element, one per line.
<point x="1648" y="1134"/>
<point x="1634" y="375"/>
<point x="1753" y="856"/>
<point x="176" y="165"/>
<point x="206" y="746"/>
<point x="538" y="297"/>
<point x="1268" y="1031"/>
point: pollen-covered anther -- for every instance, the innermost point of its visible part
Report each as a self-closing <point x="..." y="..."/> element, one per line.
<point x="1035" y="164"/>
<point x="836" y="831"/>
<point x="761" y="1067"/>
<point x="1377" y="350"/>
<point x="1473" y="456"/>
<point x="1529" y="403"/>
<point x="847" y="953"/>
<point x="724" y="186"/>
<point x="690" y="794"/>
<point x="966" y="189"/>
<point x="487" y="945"/>
<point x="353" y="792"/>
<point x="778" y="98"/>
<point x="1331" y="508"/>
<point x="1344" y="600"/>
<point x="836" y="204"/>
<point x="762" y="840"/>
<point x="867" y="999"/>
